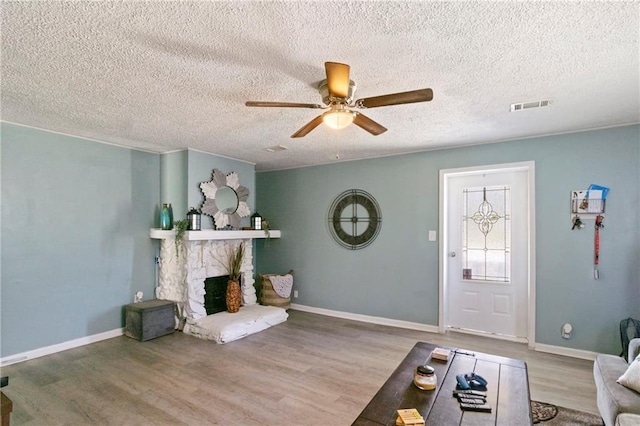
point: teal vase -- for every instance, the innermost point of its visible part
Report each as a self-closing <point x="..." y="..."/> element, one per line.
<point x="166" y="217"/>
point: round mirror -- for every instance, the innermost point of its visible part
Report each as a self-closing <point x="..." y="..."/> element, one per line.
<point x="226" y="200"/>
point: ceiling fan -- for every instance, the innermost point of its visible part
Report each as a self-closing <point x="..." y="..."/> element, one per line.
<point x="337" y="95"/>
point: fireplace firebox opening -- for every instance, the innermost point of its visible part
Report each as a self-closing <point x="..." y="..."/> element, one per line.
<point x="215" y="290"/>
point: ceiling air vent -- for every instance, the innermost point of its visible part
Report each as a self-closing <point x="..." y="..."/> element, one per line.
<point x="529" y="105"/>
<point x="276" y="148"/>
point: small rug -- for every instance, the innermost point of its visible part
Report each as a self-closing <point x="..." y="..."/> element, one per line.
<point x="552" y="415"/>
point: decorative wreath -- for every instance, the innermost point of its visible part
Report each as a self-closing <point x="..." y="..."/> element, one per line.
<point x="209" y="189"/>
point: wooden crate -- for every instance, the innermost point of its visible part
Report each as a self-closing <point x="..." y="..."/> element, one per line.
<point x="150" y="319"/>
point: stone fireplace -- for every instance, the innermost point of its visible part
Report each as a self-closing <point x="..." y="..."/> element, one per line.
<point x="184" y="268"/>
<point x="201" y="255"/>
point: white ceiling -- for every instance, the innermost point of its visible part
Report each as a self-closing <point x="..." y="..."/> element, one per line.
<point x="161" y="76"/>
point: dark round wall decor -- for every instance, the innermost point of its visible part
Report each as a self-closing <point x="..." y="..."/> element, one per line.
<point x="354" y="219"/>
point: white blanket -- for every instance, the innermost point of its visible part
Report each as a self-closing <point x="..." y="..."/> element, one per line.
<point x="282" y="284"/>
<point x="225" y="327"/>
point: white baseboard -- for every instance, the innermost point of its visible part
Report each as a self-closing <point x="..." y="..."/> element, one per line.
<point x="48" y="350"/>
<point x="367" y="318"/>
<point x="489" y="335"/>
<point x="560" y="350"/>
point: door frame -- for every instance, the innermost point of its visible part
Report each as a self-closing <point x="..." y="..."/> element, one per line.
<point x="445" y="175"/>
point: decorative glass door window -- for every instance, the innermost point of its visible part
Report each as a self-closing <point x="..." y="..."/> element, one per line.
<point x="486" y="234"/>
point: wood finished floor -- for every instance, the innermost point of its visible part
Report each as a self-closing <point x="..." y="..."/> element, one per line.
<point x="311" y="370"/>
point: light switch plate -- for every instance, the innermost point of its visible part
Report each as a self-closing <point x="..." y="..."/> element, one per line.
<point x="432" y="235"/>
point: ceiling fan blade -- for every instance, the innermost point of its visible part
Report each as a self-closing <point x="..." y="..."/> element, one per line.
<point x="368" y="124"/>
<point x="281" y="104"/>
<point x="422" y="95"/>
<point x="308" y="127"/>
<point x="337" y="79"/>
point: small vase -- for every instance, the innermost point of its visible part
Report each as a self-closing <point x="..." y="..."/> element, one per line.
<point x="233" y="296"/>
<point x="166" y="217"/>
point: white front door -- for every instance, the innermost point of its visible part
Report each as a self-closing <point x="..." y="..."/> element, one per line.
<point x="487" y="252"/>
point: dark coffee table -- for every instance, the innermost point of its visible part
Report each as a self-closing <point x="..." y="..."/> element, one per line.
<point x="507" y="392"/>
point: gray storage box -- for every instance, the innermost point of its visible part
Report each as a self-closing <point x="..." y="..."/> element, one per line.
<point x="150" y="319"/>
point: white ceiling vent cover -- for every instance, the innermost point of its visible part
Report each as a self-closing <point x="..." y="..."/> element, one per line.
<point x="276" y="148"/>
<point x="529" y="105"/>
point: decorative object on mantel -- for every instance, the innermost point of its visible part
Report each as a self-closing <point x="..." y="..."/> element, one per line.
<point x="166" y="217"/>
<point x="225" y="199"/>
<point x="181" y="227"/>
<point x="259" y="223"/>
<point x="256" y="221"/>
<point x="233" y="265"/>
<point x="267" y="231"/>
<point x="194" y="217"/>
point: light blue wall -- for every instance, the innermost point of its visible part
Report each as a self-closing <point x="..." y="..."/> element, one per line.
<point x="75" y="227"/>
<point x="75" y="236"/>
<point x="173" y="181"/>
<point x="397" y="276"/>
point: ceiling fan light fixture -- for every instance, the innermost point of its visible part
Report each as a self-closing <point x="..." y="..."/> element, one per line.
<point x="337" y="92"/>
<point x="338" y="118"/>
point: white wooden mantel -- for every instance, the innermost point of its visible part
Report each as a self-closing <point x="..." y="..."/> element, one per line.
<point x="182" y="272"/>
<point x="210" y="234"/>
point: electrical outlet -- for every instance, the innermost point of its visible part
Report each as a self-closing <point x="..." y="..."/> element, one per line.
<point x="295" y="294"/>
<point x="566" y="331"/>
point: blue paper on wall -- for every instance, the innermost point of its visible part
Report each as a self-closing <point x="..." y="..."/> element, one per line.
<point x="603" y="191"/>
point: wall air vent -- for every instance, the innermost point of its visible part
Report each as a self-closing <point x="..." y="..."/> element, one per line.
<point x="276" y="148"/>
<point x="528" y="105"/>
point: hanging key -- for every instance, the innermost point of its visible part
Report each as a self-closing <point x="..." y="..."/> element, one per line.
<point x="577" y="223"/>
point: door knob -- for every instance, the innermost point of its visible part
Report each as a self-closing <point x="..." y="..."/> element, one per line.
<point x="452" y="254"/>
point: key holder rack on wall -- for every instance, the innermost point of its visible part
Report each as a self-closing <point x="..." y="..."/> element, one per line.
<point x="586" y="207"/>
<point x="589" y="203"/>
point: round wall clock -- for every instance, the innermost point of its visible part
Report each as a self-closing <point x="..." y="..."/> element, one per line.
<point x="354" y="219"/>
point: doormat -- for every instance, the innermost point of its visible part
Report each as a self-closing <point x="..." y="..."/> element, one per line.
<point x="552" y="415"/>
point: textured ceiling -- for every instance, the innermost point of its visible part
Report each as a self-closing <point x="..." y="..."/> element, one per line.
<point x="161" y="76"/>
